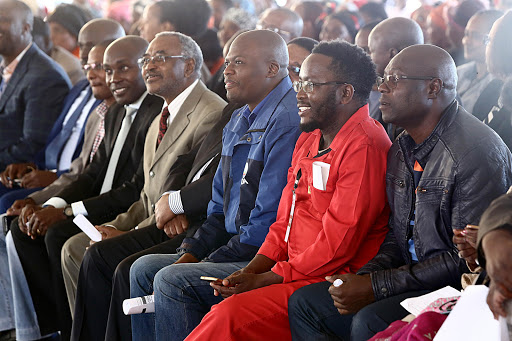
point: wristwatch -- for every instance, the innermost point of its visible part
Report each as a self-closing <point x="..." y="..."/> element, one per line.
<point x="68" y="211"/>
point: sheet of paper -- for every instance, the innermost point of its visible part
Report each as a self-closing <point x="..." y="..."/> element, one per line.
<point x="471" y="319"/>
<point x="85" y="225"/>
<point x="320" y="174"/>
<point x="415" y="305"/>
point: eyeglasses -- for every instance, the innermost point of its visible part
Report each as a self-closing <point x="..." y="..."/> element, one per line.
<point x="273" y="29"/>
<point x="392" y="80"/>
<point x="308" y="86"/>
<point x="294" y="69"/>
<point x="92" y="66"/>
<point x="157" y="60"/>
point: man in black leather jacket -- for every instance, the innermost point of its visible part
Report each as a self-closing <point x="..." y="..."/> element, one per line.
<point x="442" y="173"/>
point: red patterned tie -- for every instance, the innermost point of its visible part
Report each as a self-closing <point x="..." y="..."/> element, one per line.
<point x="163" y="126"/>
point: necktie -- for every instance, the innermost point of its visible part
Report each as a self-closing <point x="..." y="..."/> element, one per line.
<point x="163" y="126"/>
<point x="116" y="152"/>
<point x="101" y="111"/>
<point x="55" y="147"/>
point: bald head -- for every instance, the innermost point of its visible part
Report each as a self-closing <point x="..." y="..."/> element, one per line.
<point x="96" y="31"/>
<point x="427" y="61"/>
<point x="255" y="64"/>
<point x="390" y="37"/>
<point x="268" y="45"/>
<point x="288" y="23"/>
<point x="130" y="45"/>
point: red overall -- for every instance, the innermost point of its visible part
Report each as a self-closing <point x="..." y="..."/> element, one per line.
<point x="333" y="231"/>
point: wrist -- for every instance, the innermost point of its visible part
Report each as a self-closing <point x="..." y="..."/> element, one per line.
<point x="271" y="277"/>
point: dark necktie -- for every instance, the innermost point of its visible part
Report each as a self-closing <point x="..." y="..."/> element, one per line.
<point x="55" y="147"/>
<point x="163" y="126"/>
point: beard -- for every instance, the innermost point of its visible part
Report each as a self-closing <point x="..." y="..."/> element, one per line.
<point x="320" y="115"/>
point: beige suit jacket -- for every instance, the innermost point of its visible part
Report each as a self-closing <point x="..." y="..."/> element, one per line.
<point x="77" y="166"/>
<point x="198" y="114"/>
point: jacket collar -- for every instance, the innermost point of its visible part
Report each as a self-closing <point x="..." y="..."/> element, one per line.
<point x="422" y="151"/>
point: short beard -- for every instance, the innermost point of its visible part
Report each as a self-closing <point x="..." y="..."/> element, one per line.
<point x="325" y="110"/>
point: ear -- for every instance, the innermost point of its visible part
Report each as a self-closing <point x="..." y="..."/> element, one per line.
<point x="273" y="69"/>
<point x="190" y="65"/>
<point x="434" y="88"/>
<point x="392" y="52"/>
<point x="345" y="93"/>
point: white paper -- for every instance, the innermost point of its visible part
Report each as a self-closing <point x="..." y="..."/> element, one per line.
<point x="415" y="305"/>
<point x="320" y="175"/>
<point x="471" y="319"/>
<point x="85" y="225"/>
<point x="139" y="305"/>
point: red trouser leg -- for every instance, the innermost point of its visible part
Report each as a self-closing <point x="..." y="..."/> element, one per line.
<point x="260" y="314"/>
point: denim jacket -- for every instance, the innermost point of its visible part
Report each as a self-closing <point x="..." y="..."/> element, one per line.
<point x="467" y="165"/>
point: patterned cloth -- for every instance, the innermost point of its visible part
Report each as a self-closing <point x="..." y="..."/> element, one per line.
<point x="163" y="125"/>
<point x="101" y="111"/>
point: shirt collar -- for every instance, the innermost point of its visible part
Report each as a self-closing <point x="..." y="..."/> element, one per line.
<point x="136" y="105"/>
<point x="8" y="70"/>
<point x="180" y="99"/>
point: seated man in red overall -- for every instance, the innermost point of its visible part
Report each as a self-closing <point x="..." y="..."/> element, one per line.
<point x="333" y="212"/>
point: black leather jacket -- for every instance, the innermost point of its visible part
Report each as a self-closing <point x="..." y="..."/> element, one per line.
<point x="467" y="165"/>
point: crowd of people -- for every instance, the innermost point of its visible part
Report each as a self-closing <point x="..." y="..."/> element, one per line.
<point x="318" y="162"/>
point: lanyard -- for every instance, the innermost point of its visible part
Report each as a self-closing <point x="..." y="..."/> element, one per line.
<point x="292" y="209"/>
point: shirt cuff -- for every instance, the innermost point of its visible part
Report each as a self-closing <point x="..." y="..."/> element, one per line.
<point x="55" y="202"/>
<point x="79" y="208"/>
<point x="175" y="203"/>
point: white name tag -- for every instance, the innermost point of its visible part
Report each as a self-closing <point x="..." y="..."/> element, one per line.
<point x="320" y="174"/>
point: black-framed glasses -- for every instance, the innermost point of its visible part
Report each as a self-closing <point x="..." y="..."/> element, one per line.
<point x="308" y="86"/>
<point x="92" y="66"/>
<point x="157" y="60"/>
<point x="392" y="80"/>
<point x="294" y="69"/>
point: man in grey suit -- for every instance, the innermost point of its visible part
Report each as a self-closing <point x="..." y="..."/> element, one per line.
<point x="32" y="87"/>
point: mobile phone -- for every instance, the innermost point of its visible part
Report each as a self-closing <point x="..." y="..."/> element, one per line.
<point x="472" y="227"/>
<point x="211" y="279"/>
<point x="6" y="222"/>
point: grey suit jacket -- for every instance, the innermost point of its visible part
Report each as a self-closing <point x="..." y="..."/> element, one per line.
<point x="77" y="166"/>
<point x="198" y="114"/>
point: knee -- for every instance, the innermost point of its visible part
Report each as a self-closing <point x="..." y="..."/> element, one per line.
<point x="140" y="276"/>
<point x="361" y="324"/>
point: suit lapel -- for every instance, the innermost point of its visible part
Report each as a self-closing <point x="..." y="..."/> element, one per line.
<point x="16" y="77"/>
<point x="180" y="122"/>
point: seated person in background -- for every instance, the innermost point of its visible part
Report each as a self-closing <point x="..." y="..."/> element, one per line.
<point x="477" y="88"/>
<point x="441" y="173"/>
<point x="497" y="57"/>
<point x="257" y="148"/>
<point x="332" y="226"/>
<point x="338" y="25"/>
<point x="236" y="19"/>
<point x="70" y="63"/>
<point x="32" y="88"/>
<point x="298" y="50"/>
<point x="282" y="21"/>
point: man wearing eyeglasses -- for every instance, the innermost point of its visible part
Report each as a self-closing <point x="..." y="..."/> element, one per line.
<point x="333" y="212"/>
<point x="100" y="192"/>
<point x="282" y="21"/>
<point x="442" y="172"/>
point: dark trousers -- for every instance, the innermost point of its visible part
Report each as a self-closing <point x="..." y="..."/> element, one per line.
<point x="103" y="283"/>
<point x="41" y="261"/>
<point x="313" y="316"/>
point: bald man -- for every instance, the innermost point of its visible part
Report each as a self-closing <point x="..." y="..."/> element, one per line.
<point x="102" y="190"/>
<point x="282" y="21"/>
<point x="442" y="172"/>
<point x="384" y="41"/>
<point x="257" y="147"/>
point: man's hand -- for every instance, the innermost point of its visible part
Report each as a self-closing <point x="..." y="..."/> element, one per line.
<point x="355" y="293"/>
<point x="244" y="280"/>
<point x="15" y="171"/>
<point x="41" y="220"/>
<point x="163" y="213"/>
<point x="38" y="178"/>
<point x="108" y="232"/>
<point x="187" y="258"/>
<point x="465" y="240"/>
<point x="497" y="247"/>
<point x="25" y="215"/>
<point x="177" y="225"/>
<point x="18" y="205"/>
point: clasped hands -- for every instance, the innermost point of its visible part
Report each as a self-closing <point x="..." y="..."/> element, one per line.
<point x="244" y="280"/>
<point x="167" y="221"/>
<point x="28" y="176"/>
